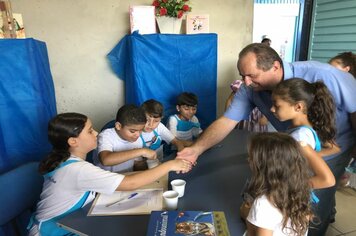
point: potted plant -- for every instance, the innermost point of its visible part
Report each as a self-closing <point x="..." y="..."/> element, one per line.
<point x="169" y="14"/>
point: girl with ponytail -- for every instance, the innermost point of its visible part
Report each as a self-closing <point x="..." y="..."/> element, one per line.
<point x="70" y="182"/>
<point x="310" y="108"/>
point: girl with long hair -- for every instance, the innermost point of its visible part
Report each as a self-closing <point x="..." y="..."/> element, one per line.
<point x="311" y="110"/>
<point x="281" y="185"/>
<point x="70" y="182"/>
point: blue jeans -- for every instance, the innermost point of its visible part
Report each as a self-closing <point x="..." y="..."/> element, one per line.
<point x="324" y="208"/>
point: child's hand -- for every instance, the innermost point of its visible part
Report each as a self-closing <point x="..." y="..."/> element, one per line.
<point x="180" y="166"/>
<point x="149" y="154"/>
<point x="244" y="210"/>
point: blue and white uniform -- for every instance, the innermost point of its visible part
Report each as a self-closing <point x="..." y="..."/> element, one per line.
<point x="153" y="140"/>
<point x="69" y="187"/>
<point x="184" y="130"/>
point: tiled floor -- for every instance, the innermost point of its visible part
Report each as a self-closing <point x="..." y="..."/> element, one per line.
<point x="345" y="223"/>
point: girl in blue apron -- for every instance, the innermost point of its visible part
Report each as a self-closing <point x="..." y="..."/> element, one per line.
<point x="70" y="181"/>
<point x="310" y="109"/>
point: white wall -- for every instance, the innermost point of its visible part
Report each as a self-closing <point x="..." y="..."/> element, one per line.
<point x="80" y="33"/>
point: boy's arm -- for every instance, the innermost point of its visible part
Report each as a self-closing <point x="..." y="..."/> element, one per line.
<point x="109" y="158"/>
<point x="178" y="143"/>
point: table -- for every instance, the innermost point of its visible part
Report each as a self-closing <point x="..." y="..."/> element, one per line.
<point x="215" y="184"/>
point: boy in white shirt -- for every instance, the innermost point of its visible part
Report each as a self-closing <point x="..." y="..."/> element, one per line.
<point x="155" y="132"/>
<point x="120" y="147"/>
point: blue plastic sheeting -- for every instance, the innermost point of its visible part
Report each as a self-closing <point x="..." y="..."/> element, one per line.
<point x="161" y="66"/>
<point x="27" y="101"/>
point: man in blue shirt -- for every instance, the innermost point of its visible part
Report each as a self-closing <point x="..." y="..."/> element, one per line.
<point x="262" y="69"/>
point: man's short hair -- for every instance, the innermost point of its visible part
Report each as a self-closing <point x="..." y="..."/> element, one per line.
<point x="265" y="55"/>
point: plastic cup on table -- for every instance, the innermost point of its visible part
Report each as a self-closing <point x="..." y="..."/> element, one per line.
<point x="178" y="185"/>
<point x="170" y="200"/>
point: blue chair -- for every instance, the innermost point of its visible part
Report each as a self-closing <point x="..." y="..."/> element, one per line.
<point x="110" y="124"/>
<point x="20" y="191"/>
<point x="90" y="155"/>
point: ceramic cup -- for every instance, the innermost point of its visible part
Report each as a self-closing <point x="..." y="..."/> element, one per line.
<point x="178" y="185"/>
<point x="170" y="200"/>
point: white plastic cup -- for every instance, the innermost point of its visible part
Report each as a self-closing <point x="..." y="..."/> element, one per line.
<point x="170" y="200"/>
<point x="178" y="185"/>
<point x="152" y="163"/>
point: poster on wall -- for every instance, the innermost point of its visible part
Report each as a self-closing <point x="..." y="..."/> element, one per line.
<point x="142" y="18"/>
<point x="197" y="24"/>
<point x="17" y="24"/>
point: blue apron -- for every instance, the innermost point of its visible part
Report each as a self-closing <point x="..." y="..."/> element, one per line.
<point x="186" y="125"/>
<point x="317" y="148"/>
<point x="50" y="227"/>
<point x="316" y="138"/>
<point x="155" y="142"/>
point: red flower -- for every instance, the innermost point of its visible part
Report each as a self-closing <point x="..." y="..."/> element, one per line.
<point x="155" y="3"/>
<point x="163" y="11"/>
<point x="180" y="14"/>
<point x="185" y="8"/>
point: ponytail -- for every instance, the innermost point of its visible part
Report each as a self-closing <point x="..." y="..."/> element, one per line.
<point x="60" y="129"/>
<point x="320" y="108"/>
<point x="321" y="113"/>
<point x="54" y="158"/>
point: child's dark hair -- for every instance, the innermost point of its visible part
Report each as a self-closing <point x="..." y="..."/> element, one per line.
<point x="153" y="108"/>
<point x="280" y="172"/>
<point x="130" y="115"/>
<point x="320" y="106"/>
<point x="60" y="129"/>
<point x="346" y="59"/>
<point x="188" y="99"/>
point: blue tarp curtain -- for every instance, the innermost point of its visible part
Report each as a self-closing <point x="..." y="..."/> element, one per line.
<point x="161" y="66"/>
<point x="27" y="101"/>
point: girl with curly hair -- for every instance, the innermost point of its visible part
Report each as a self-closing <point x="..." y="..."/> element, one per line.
<point x="310" y="109"/>
<point x="281" y="185"/>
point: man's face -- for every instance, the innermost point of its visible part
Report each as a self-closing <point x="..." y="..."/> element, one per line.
<point x="256" y="78"/>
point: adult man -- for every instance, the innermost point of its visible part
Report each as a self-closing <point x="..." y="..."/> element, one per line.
<point x="262" y="69"/>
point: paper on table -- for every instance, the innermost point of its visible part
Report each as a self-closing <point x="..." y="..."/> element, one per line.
<point x="144" y="202"/>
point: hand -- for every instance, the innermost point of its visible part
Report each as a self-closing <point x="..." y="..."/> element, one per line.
<point x="149" y="154"/>
<point x="189" y="154"/>
<point x="244" y="210"/>
<point x="180" y="166"/>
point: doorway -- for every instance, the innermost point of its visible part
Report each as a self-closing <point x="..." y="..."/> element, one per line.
<point x="278" y="21"/>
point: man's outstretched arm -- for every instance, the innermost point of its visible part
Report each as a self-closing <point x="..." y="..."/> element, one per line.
<point x="216" y="132"/>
